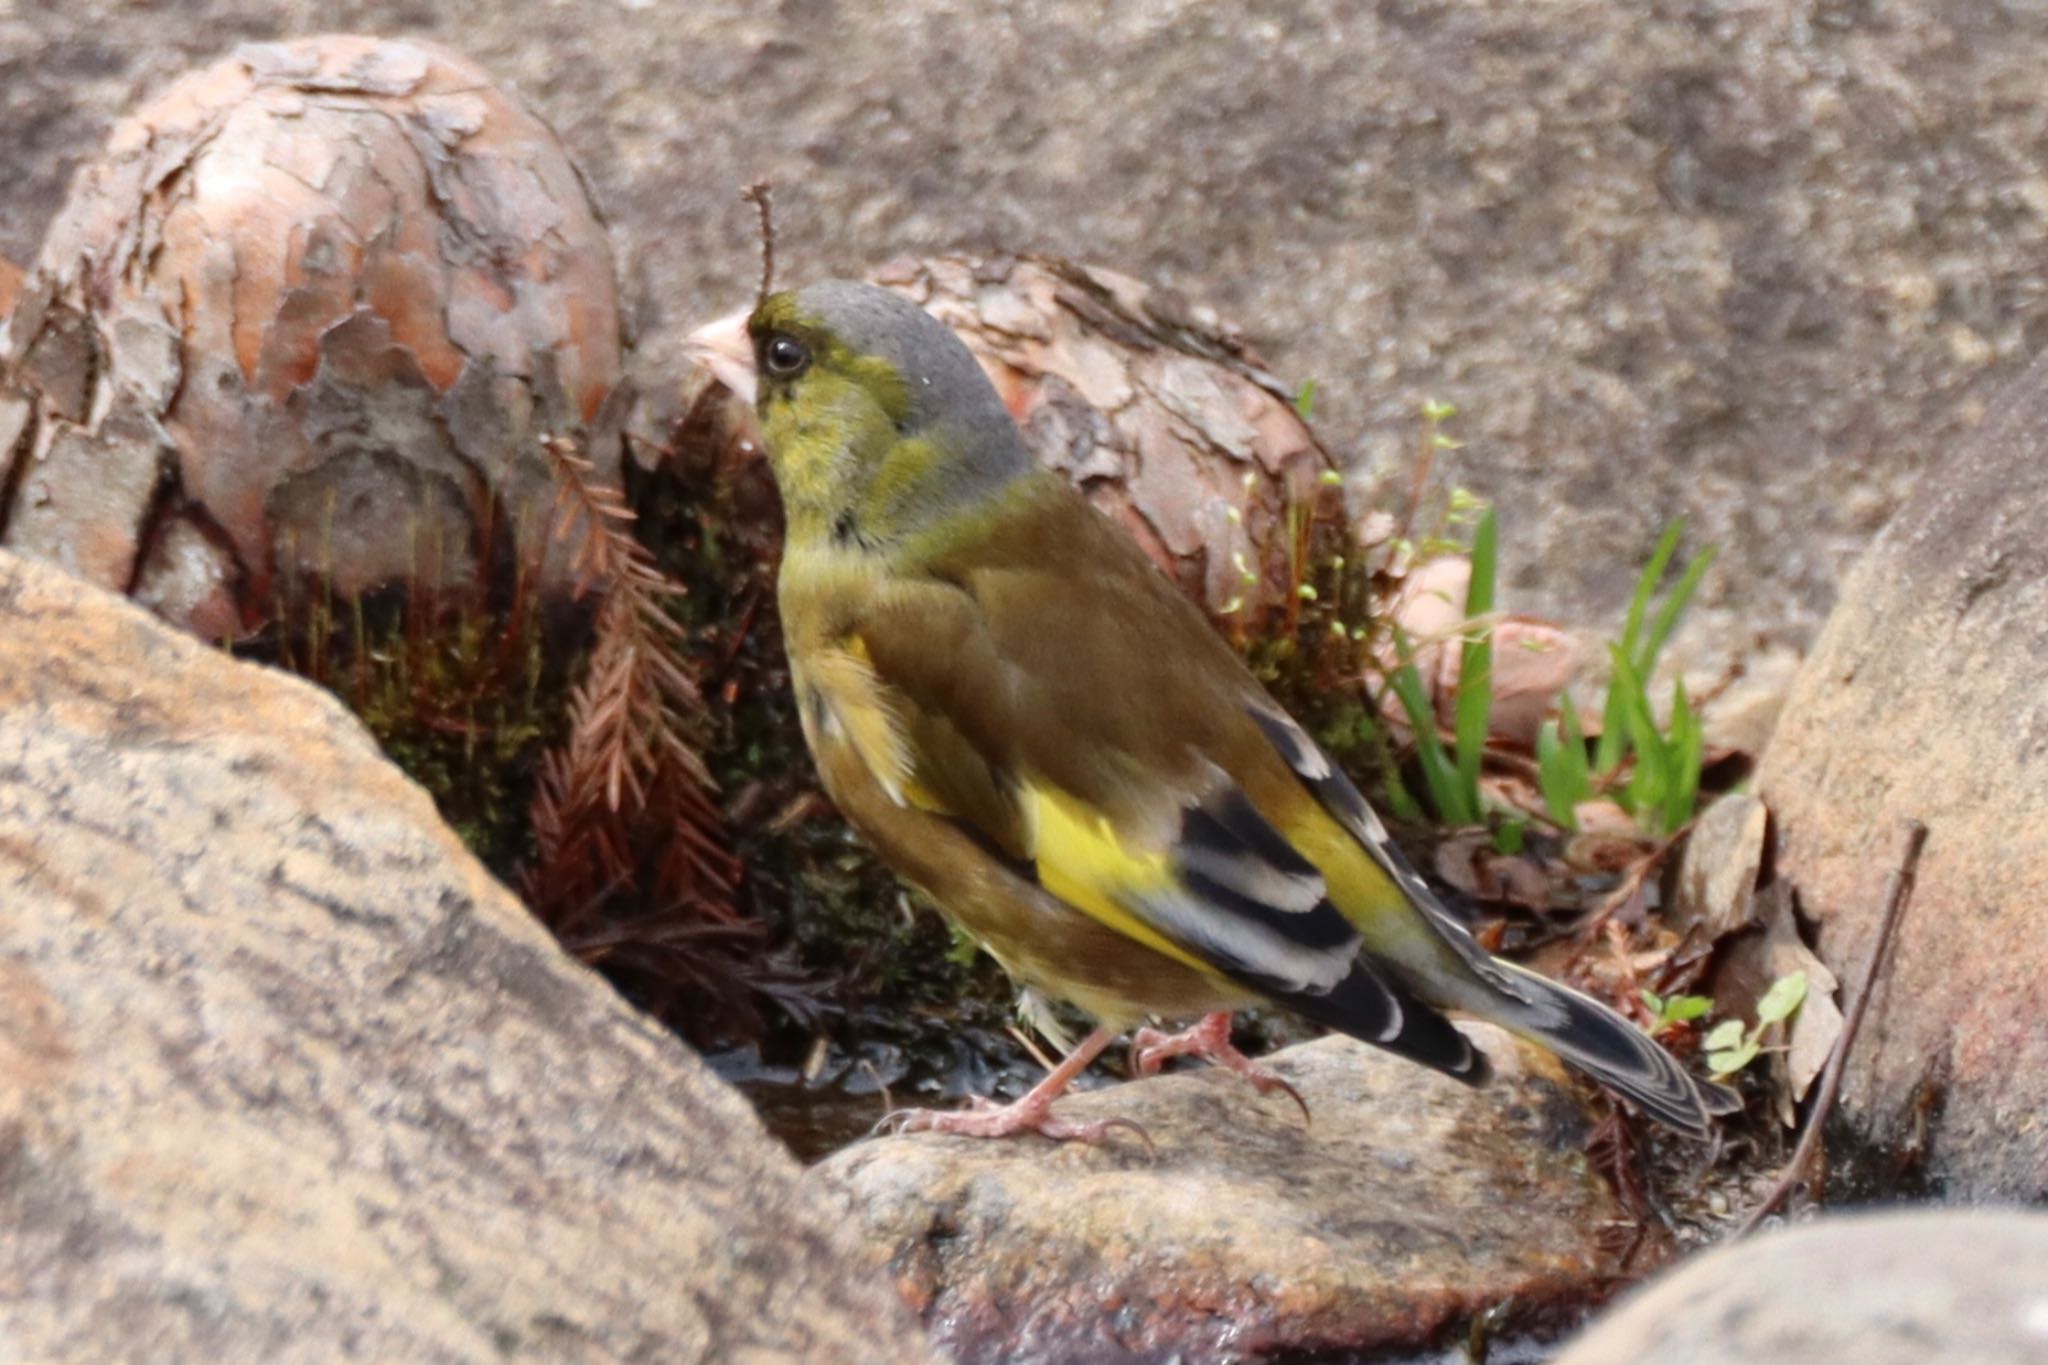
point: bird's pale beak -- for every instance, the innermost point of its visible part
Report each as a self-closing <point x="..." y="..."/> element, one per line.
<point x="724" y="348"/>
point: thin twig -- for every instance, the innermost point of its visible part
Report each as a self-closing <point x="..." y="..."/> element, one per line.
<point x="1897" y="894"/>
<point x="757" y="194"/>
<point x="1418" y="483"/>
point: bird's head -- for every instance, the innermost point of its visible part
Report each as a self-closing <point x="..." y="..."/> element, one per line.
<point x="879" y="423"/>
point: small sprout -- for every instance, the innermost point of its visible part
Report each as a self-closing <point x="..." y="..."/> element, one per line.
<point x="1443" y="442"/>
<point x="1337" y="629"/>
<point x="1358" y="632"/>
<point x="1675" y="1009"/>
<point x="1251" y="480"/>
<point x="1232" y="607"/>
<point x="1731" y="1047"/>
<point x="1336" y="563"/>
<point x="1305" y="399"/>
<point x="1435" y="410"/>
<point x="1786" y="995"/>
<point x="1234" y="515"/>
<point x="1330" y="478"/>
<point x="964" y="948"/>
<point x="1306" y="592"/>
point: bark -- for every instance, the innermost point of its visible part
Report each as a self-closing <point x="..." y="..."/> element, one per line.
<point x="1159" y="411"/>
<point x="310" y="313"/>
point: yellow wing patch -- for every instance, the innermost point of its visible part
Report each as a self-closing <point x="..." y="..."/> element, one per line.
<point x="1361" y="889"/>
<point x="1083" y="862"/>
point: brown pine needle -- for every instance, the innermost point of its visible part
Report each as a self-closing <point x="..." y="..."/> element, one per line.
<point x="628" y="780"/>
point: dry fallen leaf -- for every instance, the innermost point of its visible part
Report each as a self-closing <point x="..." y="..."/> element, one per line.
<point x="1717" y="878"/>
<point x="1469" y="861"/>
<point x="1811" y="1036"/>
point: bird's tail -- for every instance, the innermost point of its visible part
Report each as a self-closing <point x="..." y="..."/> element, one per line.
<point x="1607" y="1047"/>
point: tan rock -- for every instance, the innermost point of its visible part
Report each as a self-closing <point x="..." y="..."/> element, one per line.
<point x="1924" y="699"/>
<point x="285" y="1076"/>
<point x="1904" y="1288"/>
<point x="1408" y="1204"/>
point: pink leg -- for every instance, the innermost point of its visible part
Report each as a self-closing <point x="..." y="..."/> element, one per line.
<point x="1032" y="1113"/>
<point x="1208" y="1039"/>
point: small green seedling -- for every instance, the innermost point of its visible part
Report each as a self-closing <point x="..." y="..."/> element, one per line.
<point x="1731" y="1047"/>
<point x="1305" y="400"/>
<point x="1452" y="775"/>
<point x="963" y="948"/>
<point x="1672" y="1010"/>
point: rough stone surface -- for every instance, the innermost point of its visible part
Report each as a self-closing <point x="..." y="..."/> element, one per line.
<point x="284" y="1075"/>
<point x="1903" y="1288"/>
<point x="1740" y="259"/>
<point x="1407" y="1205"/>
<point x="1923" y="699"/>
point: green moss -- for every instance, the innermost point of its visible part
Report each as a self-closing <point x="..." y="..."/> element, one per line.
<point x="463" y="696"/>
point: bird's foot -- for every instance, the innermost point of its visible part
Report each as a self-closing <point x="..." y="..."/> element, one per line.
<point x="987" y="1119"/>
<point x="1208" y="1039"/>
<point x="1031" y="1113"/>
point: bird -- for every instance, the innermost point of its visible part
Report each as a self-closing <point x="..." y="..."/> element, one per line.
<point x="1029" y="722"/>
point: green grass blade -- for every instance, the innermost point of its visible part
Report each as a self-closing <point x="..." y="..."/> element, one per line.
<point x="1667" y="615"/>
<point x="1646" y="584"/>
<point x="1614" y="729"/>
<point x="1613" y="746"/>
<point x="1562" y="765"/>
<point x="1554" y="775"/>
<point x="1439" y="773"/>
<point x="1575" y="764"/>
<point x="1647" y="783"/>
<point x="1401" y="802"/>
<point x="1688" y="747"/>
<point x="1475" y="670"/>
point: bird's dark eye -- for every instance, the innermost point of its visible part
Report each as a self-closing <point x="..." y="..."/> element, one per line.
<point x="784" y="356"/>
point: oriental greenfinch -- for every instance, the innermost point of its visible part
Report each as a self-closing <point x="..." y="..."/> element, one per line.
<point x="1029" y="722"/>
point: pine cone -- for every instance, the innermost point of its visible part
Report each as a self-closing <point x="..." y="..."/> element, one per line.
<point x="310" y="314"/>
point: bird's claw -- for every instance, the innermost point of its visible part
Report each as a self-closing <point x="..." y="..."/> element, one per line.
<point x="1209" y="1040"/>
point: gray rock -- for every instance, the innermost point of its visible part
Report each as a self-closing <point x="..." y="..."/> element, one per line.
<point x="1903" y="1288"/>
<point x="1742" y="261"/>
<point x="1924" y="700"/>
<point x="1407" y="1205"/>
<point x="285" y="1076"/>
